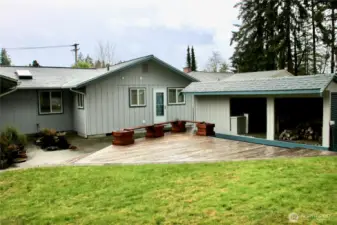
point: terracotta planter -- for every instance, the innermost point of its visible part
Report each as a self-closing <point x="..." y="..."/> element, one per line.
<point x="205" y="129"/>
<point x="178" y="126"/>
<point x="155" y="131"/>
<point x="124" y="137"/>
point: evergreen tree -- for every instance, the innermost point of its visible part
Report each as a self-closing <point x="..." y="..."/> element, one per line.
<point x="193" y="61"/>
<point x="89" y="60"/>
<point x="5" y="60"/>
<point x="270" y="35"/>
<point x="35" y="64"/>
<point x="188" y="58"/>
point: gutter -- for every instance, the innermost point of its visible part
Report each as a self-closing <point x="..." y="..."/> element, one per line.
<point x="229" y="93"/>
<point x="10" y="91"/>
<point x="77" y="92"/>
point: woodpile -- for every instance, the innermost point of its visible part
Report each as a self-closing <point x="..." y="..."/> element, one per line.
<point x="302" y="132"/>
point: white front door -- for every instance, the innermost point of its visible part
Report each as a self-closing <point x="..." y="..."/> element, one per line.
<point x="159" y="103"/>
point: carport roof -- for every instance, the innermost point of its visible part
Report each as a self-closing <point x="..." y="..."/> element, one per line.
<point x="314" y="84"/>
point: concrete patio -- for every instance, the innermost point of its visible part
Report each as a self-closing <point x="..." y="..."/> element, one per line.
<point x="188" y="148"/>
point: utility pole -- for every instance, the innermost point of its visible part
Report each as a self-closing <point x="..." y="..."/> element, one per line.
<point x="76" y="49"/>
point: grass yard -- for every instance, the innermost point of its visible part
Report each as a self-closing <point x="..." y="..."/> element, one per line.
<point x="250" y="192"/>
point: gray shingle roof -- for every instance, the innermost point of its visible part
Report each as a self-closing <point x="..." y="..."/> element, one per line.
<point x="52" y="77"/>
<point x="259" y="75"/>
<point x="207" y="76"/>
<point x="295" y="83"/>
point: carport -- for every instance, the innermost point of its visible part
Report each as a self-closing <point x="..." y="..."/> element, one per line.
<point x="271" y="105"/>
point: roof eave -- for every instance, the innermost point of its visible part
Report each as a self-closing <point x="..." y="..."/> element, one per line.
<point x="281" y="92"/>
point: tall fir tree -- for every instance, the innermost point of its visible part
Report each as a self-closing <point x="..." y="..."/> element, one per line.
<point x="188" y="58"/>
<point x="193" y="61"/>
<point x="5" y="60"/>
<point x="279" y="34"/>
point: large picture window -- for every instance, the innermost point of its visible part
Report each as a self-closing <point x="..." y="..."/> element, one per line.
<point x="80" y="101"/>
<point x="50" y="102"/>
<point x="175" y="96"/>
<point x="137" y="97"/>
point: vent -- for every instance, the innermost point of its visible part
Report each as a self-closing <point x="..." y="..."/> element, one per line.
<point x="24" y="74"/>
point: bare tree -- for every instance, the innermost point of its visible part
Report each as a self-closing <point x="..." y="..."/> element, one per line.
<point x="105" y="53"/>
<point x="214" y="62"/>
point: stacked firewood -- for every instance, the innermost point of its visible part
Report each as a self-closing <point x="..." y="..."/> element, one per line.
<point x="302" y="132"/>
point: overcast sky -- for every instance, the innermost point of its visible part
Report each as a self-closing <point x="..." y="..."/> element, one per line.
<point x="163" y="28"/>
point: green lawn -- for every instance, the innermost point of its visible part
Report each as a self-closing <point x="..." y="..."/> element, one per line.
<point x="251" y="192"/>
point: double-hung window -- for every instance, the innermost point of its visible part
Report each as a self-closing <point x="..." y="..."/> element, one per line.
<point x="50" y="102"/>
<point x="137" y="97"/>
<point x="80" y="101"/>
<point x="175" y="96"/>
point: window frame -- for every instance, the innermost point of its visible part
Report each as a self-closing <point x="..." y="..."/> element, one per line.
<point x="50" y="102"/>
<point x="77" y="99"/>
<point x="176" y="89"/>
<point x="138" y="96"/>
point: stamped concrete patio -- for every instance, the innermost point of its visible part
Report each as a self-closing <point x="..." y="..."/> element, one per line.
<point x="188" y="148"/>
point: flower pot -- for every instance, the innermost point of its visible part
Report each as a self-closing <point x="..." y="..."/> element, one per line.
<point x="205" y="129"/>
<point x="124" y="137"/>
<point x="178" y="126"/>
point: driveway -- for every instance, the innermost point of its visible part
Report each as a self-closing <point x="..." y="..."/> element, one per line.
<point x="180" y="148"/>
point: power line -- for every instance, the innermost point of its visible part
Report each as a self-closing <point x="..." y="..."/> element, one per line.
<point x="76" y="49"/>
<point x="40" y="47"/>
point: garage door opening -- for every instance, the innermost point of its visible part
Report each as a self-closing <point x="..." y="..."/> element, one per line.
<point x="249" y="117"/>
<point x="299" y="120"/>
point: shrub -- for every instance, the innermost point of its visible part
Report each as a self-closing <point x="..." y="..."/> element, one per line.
<point x="11" y="136"/>
<point x="12" y="142"/>
<point x="48" y="132"/>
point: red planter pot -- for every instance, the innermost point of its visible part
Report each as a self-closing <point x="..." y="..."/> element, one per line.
<point x="124" y="137"/>
<point x="178" y="126"/>
<point x="155" y="131"/>
<point x="205" y="129"/>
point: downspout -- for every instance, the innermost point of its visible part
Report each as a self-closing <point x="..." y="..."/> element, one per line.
<point x="10" y="91"/>
<point x="82" y="93"/>
<point x="77" y="92"/>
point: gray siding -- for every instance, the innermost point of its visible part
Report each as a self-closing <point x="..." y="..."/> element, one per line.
<point x="79" y="117"/>
<point x="214" y="109"/>
<point x="20" y="109"/>
<point x="108" y="99"/>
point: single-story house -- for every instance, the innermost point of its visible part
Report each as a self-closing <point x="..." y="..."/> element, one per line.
<point x="141" y="91"/>
<point x="269" y="108"/>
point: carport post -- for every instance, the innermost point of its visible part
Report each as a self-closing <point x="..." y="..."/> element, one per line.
<point x="326" y="119"/>
<point x="270" y="118"/>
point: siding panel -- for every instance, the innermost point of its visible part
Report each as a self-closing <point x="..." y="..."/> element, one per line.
<point x="20" y="109"/>
<point x="214" y="109"/>
<point x="119" y="115"/>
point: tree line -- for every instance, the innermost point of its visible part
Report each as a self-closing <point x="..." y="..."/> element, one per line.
<point x="297" y="35"/>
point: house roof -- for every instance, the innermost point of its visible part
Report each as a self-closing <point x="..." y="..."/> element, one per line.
<point x="57" y="77"/>
<point x="209" y="76"/>
<point x="259" y="75"/>
<point x="123" y="66"/>
<point x="283" y="85"/>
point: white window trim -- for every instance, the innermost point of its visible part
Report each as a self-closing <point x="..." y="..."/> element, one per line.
<point x="82" y="97"/>
<point x="175" y="103"/>
<point x="138" y="97"/>
<point x="50" y="102"/>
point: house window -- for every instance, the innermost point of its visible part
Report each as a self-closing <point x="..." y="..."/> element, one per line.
<point x="80" y="101"/>
<point x="50" y="102"/>
<point x="137" y="97"/>
<point x="175" y="96"/>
